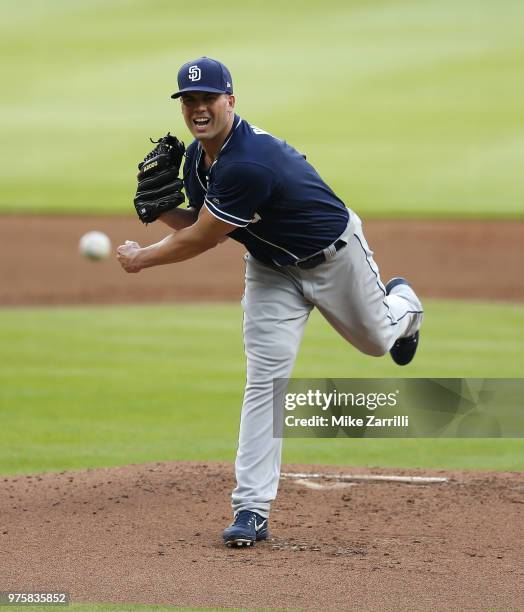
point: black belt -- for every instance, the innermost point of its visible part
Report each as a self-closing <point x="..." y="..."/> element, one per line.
<point x="319" y="258"/>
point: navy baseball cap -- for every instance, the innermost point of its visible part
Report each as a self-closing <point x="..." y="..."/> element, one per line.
<point x="204" y="74"/>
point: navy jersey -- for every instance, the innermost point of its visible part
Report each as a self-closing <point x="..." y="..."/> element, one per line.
<point x="283" y="210"/>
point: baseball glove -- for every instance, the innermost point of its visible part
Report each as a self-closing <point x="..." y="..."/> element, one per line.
<point x="159" y="188"/>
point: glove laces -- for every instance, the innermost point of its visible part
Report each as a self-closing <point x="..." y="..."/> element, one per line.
<point x="161" y="147"/>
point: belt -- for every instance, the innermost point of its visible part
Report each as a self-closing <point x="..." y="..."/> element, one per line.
<point x="322" y="257"/>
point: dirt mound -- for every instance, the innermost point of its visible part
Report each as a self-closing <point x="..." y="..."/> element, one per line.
<point x="151" y="534"/>
<point x="459" y="259"/>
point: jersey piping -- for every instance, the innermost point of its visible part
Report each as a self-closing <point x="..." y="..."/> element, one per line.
<point x="201" y="150"/>
<point x="272" y="244"/>
<point x="217" y="212"/>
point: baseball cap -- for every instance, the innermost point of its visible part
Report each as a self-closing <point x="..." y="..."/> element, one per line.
<point x="204" y="74"/>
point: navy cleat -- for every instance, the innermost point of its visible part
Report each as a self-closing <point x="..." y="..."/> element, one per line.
<point x="247" y="528"/>
<point x="404" y="349"/>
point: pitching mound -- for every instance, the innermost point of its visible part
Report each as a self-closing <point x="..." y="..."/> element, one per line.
<point x="151" y="534"/>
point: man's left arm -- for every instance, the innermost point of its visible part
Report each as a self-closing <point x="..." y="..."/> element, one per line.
<point x="184" y="244"/>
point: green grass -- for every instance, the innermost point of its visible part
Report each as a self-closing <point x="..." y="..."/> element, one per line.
<point x="85" y="387"/>
<point x="406" y="108"/>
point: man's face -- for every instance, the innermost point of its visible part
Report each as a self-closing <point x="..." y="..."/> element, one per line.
<point x="207" y="114"/>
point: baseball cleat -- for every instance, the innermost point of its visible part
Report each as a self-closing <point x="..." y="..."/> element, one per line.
<point x="404" y="349"/>
<point x="247" y="528"/>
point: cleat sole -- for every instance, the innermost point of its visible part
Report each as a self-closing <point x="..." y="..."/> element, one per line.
<point x="239" y="543"/>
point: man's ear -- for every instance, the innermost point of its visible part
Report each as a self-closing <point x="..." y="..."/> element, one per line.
<point x="231" y="102"/>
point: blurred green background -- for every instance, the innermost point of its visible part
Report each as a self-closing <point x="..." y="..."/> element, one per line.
<point x="101" y="386"/>
<point x="406" y="108"/>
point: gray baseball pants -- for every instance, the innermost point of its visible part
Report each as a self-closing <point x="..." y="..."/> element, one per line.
<point x="277" y="301"/>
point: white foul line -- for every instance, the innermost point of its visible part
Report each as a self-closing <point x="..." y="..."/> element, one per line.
<point x="369" y="478"/>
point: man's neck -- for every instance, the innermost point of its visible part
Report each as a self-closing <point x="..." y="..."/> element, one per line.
<point x="212" y="147"/>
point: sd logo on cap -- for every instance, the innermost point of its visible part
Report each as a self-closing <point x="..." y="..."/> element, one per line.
<point x="204" y="74"/>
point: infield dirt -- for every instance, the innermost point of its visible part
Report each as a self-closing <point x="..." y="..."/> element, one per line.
<point x="454" y="259"/>
<point x="152" y="534"/>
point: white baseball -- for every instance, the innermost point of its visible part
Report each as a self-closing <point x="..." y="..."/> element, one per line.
<point x="95" y="246"/>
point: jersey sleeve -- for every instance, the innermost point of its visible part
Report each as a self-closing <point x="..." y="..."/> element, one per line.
<point x="238" y="191"/>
